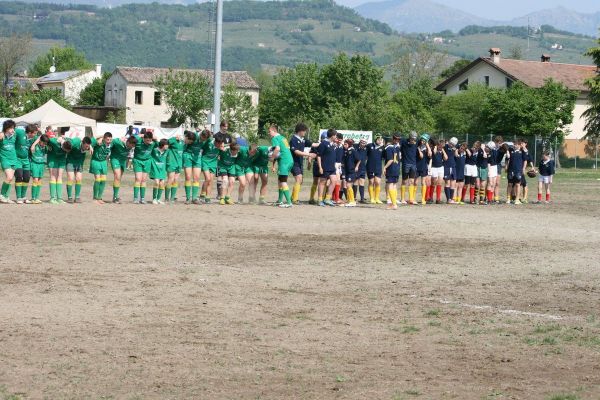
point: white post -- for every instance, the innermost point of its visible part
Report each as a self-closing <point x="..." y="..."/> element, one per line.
<point x="217" y="81"/>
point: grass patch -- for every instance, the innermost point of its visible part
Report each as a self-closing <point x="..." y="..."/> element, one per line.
<point x="5" y="395"/>
<point x="340" y="378"/>
<point x="563" y="397"/>
<point x="434" y="323"/>
<point x="413" y="392"/>
<point x="547" y="328"/>
<point x="433" y="313"/>
<point x="410" y="329"/>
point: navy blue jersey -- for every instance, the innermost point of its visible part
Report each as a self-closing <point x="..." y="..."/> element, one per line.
<point x="326" y="151"/>
<point x="422" y="160"/>
<point x="437" y="159"/>
<point x="315" y="166"/>
<point x="472" y="159"/>
<point x="361" y="154"/>
<point x="409" y="152"/>
<point x="493" y="158"/>
<point x="374" y="157"/>
<point x="339" y="154"/>
<point x="450" y="153"/>
<point x="482" y="162"/>
<point x="547" y="168"/>
<point x="526" y="156"/>
<point x="515" y="164"/>
<point x="350" y="160"/>
<point x="297" y="143"/>
<point x="393" y="152"/>
<point x="460" y="161"/>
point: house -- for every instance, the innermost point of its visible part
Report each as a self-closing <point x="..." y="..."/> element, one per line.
<point x="132" y="88"/>
<point x="495" y="71"/>
<point x="69" y="83"/>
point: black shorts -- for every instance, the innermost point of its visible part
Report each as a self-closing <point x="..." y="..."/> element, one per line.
<point x="523" y="181"/>
<point x="461" y="180"/>
<point x="349" y="177"/>
<point x="515" y="177"/>
<point x="327" y="174"/>
<point x="361" y="174"/>
<point x="297" y="170"/>
<point x="391" y="179"/>
<point x="449" y="173"/>
<point x="409" y="171"/>
<point x="374" y="174"/>
<point x="422" y="174"/>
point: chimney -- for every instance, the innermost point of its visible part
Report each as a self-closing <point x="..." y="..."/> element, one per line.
<point x="99" y="70"/>
<point x="545" y="58"/>
<point x="495" y="55"/>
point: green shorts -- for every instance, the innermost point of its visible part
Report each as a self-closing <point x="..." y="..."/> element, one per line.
<point x="240" y="171"/>
<point x="118" y="163"/>
<point x="98" y="167"/>
<point x="260" y="170"/>
<point x="483" y="174"/>
<point x="37" y="170"/>
<point x="25" y="163"/>
<point x="57" y="163"/>
<point x="141" y="165"/>
<point x="284" y="168"/>
<point x="10" y="164"/>
<point x="191" y="161"/>
<point x="158" y="171"/>
<point x="74" y="167"/>
<point x="209" y="165"/>
<point x="173" y="168"/>
<point x="227" y="170"/>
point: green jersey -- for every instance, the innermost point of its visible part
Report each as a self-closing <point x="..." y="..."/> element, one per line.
<point x="175" y="152"/>
<point x="38" y="155"/>
<point x="76" y="155"/>
<point x="226" y="159"/>
<point x="143" y="151"/>
<point x="159" y="157"/>
<point x="261" y="157"/>
<point x="55" y="150"/>
<point x="119" y="149"/>
<point x="101" y="151"/>
<point x="243" y="159"/>
<point x="209" y="151"/>
<point x="195" y="147"/>
<point x="22" y="144"/>
<point x="8" y="151"/>
<point x="285" y="155"/>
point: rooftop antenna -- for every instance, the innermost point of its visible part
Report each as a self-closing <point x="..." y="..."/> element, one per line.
<point x="53" y="66"/>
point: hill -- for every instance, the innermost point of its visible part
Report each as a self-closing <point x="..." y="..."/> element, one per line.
<point x="564" y="19"/>
<point x="255" y="32"/>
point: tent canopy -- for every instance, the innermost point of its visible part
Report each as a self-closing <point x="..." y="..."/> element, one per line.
<point x="53" y="114"/>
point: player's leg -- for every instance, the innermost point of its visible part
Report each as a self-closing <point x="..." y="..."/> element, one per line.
<point x="264" y="180"/>
<point x="196" y="172"/>
<point x="174" y="186"/>
<point x="187" y="171"/>
<point x="9" y="175"/>
<point x="540" y="189"/>
<point x="117" y="168"/>
<point x="242" y="184"/>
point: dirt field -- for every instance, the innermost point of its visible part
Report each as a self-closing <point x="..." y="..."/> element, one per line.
<point x="256" y="302"/>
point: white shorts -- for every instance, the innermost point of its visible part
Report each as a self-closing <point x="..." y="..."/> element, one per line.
<point x="338" y="168"/>
<point x="437" y="172"/>
<point x="545" y="179"/>
<point x="471" y="170"/>
<point x="492" y="171"/>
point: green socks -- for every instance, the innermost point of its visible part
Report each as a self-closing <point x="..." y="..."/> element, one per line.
<point x="77" y="189"/>
<point x="286" y="193"/>
<point x="70" y="189"/>
<point x="116" y="191"/>
<point x="188" y="190"/>
<point x="195" y="190"/>
<point x="52" y="190"/>
<point x="136" y="191"/>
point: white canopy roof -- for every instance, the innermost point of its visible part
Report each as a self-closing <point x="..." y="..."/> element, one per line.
<point x="54" y="115"/>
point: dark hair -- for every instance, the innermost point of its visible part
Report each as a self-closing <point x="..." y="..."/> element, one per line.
<point x="142" y="131"/>
<point x="206" y="133"/>
<point x="67" y="145"/>
<point x="189" y="135"/>
<point x="274" y="126"/>
<point x="331" y="133"/>
<point x="44" y="138"/>
<point x="301" y="127"/>
<point x="234" y="146"/>
<point x="132" y="140"/>
<point x="223" y="123"/>
<point x="107" y="134"/>
<point x="148" y="135"/>
<point x="524" y="141"/>
<point x="8" y="124"/>
<point x="31" y="128"/>
<point x="86" y="140"/>
<point x="163" y="143"/>
<point x="339" y="135"/>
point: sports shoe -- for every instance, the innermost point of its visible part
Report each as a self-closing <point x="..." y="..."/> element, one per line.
<point x="392" y="207"/>
<point x="451" y="202"/>
<point x="517" y="202"/>
<point x="195" y="201"/>
<point x="116" y="201"/>
<point x="377" y="201"/>
<point x="36" y="201"/>
<point x="524" y="201"/>
<point x="402" y="202"/>
<point x="351" y="204"/>
<point x="285" y="205"/>
<point x="363" y="201"/>
<point x="311" y="202"/>
<point x="438" y="202"/>
<point x="142" y="201"/>
<point x="70" y="200"/>
<point x="389" y="201"/>
<point x="60" y="201"/>
<point x="430" y="201"/>
<point x="423" y="203"/>
<point x="161" y="202"/>
<point x="230" y="201"/>
<point x="262" y="202"/>
<point x="136" y="201"/>
<point x="329" y="203"/>
<point x="187" y="201"/>
<point x="155" y="202"/>
<point x="19" y="201"/>
<point x="207" y="200"/>
<point x="53" y="201"/>
<point x="322" y="204"/>
<point x="372" y="201"/>
<point x="222" y="201"/>
<point x="508" y="201"/>
<point x="296" y="203"/>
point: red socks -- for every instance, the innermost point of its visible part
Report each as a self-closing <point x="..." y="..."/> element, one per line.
<point x="438" y="192"/>
<point x="540" y="196"/>
<point x="490" y="196"/>
<point x="336" y="193"/>
<point x="462" y="196"/>
<point x="472" y="194"/>
<point x="547" y="196"/>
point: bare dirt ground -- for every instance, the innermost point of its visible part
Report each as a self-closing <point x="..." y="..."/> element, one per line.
<point x="255" y="302"/>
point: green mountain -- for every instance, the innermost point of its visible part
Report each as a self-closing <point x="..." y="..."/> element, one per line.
<point x="255" y="33"/>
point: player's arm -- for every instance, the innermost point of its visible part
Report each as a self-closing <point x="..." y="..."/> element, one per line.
<point x="444" y="155"/>
<point x="35" y="143"/>
<point x="1" y="136"/>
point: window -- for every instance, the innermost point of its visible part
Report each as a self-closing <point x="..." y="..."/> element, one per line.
<point x="157" y="96"/>
<point x="138" y="123"/>
<point x="509" y="82"/>
<point x="138" y="97"/>
<point x="487" y="80"/>
<point x="120" y="96"/>
<point x="109" y="97"/>
<point x="464" y="85"/>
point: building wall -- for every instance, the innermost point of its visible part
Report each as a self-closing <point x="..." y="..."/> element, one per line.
<point x="476" y="75"/>
<point x="578" y="126"/>
<point x="74" y="86"/>
<point x="115" y="91"/>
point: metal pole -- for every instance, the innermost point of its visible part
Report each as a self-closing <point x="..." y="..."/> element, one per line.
<point x="217" y="79"/>
<point x="534" y="149"/>
<point x="596" y="148"/>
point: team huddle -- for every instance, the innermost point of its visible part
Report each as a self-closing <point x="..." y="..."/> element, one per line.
<point x="341" y="168"/>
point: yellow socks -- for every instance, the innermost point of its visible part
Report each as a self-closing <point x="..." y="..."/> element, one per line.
<point x="350" y="194"/>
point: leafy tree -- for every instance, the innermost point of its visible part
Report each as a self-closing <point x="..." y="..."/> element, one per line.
<point x="454" y="68"/>
<point x="414" y="61"/>
<point x="13" y="50"/>
<point x="237" y="109"/>
<point x="93" y="94"/>
<point x="461" y="113"/>
<point x="65" y="59"/>
<point x="188" y="96"/>
<point x="592" y="114"/>
<point x="26" y="102"/>
<point x="118" y="117"/>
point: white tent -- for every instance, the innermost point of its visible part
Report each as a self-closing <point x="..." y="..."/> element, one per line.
<point x="52" y="114"/>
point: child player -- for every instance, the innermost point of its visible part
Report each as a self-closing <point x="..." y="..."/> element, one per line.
<point x="259" y="159"/>
<point x="244" y="172"/>
<point x="283" y="155"/>
<point x="8" y="158"/>
<point x="546" y="170"/>
<point x="351" y="168"/>
<point x="158" y="170"/>
<point x="23" y="172"/>
<point x="38" y="165"/>
<point x="423" y="161"/>
<point x="192" y="166"/>
<point x="437" y="169"/>
<point x="174" y="167"/>
<point x="326" y="167"/>
<point x="99" y="164"/>
<point x="460" y="158"/>
<point x="297" y="145"/>
<point x="374" y="168"/>
<point x="80" y="147"/>
<point x="210" y="160"/>
<point x="409" y="168"/>
<point x="450" y="170"/>
<point x="58" y="148"/>
<point x="227" y="170"/>
<point x="391" y="170"/>
<point x="361" y="172"/>
<point x="142" y="158"/>
<point x="119" y="156"/>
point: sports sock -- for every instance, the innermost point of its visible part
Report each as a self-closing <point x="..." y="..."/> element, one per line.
<point x="464" y="192"/>
<point x="52" y="186"/>
<point x="161" y="189"/>
<point x="174" y="188"/>
<point x="59" y="190"/>
<point x="447" y="193"/>
<point x="539" y="197"/>
<point x="70" y="189"/>
<point x="136" y="191"/>
<point x="547" y="196"/>
<point x="438" y="192"/>
<point x="490" y="196"/>
<point x="280" y="198"/>
<point x="336" y="192"/>
<point x="154" y="192"/>
<point x="77" y="189"/>
<point x="371" y="192"/>
<point x="34" y="187"/>
<point x="143" y="191"/>
<point x="296" y="192"/>
<point x="350" y="193"/>
<point x="412" y="191"/>
<point x="355" y="189"/>
<point x="313" y="191"/>
<point x="451" y="190"/>
<point x="424" y="193"/>
<point x="195" y="190"/>
<point x="286" y="193"/>
<point x="393" y="195"/>
<point x="361" y="190"/>
<point x="402" y="192"/>
<point x="95" y="189"/>
<point x="377" y="192"/>
<point x="116" y="189"/>
<point x="472" y="194"/>
<point x="188" y="190"/>
<point x="101" y="188"/>
<point x="17" y="190"/>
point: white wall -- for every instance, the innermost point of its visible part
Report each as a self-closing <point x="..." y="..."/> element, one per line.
<point x="74" y="86"/>
<point x="578" y="125"/>
<point x="476" y="75"/>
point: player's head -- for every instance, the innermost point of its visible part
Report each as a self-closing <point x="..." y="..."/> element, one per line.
<point x="477" y="145"/>
<point x="163" y="144"/>
<point x="301" y="129"/>
<point x="234" y="148"/>
<point x="546" y="155"/>
<point x="253" y="149"/>
<point x="412" y="137"/>
<point x="205" y="134"/>
<point x="396" y="138"/>
<point x="67" y="146"/>
<point x="273" y="130"/>
<point x="499" y="140"/>
<point x="219" y="143"/>
<point x="424" y="138"/>
<point x="8" y="126"/>
<point x="131" y="142"/>
<point x="453" y="142"/>
<point x="378" y="140"/>
<point x="224" y="126"/>
<point x="148" y="137"/>
<point x="463" y="147"/>
<point x="441" y="143"/>
<point x="44" y="139"/>
<point x="524" y="143"/>
<point x="362" y="143"/>
<point x="86" y="142"/>
<point x="189" y="137"/>
<point x="107" y="138"/>
<point x="31" y="130"/>
<point x="348" y="143"/>
<point x="339" y="138"/>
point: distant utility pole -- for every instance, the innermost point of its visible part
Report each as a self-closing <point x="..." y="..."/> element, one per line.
<point x="216" y="114"/>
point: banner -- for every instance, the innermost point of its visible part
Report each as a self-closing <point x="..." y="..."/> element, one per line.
<point x="75" y="132"/>
<point x="119" y="130"/>
<point x="354" y="135"/>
